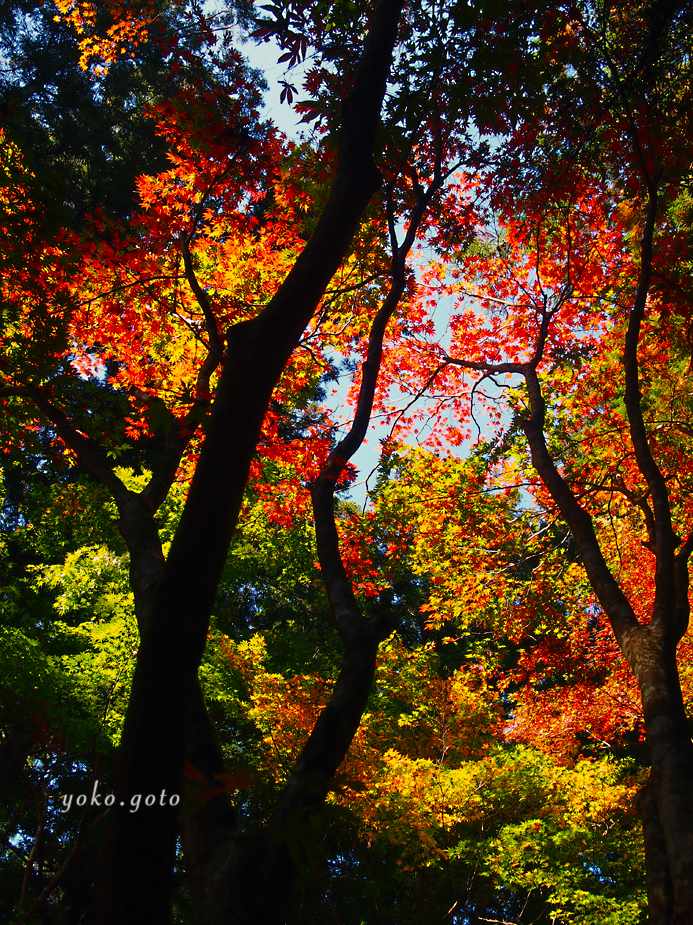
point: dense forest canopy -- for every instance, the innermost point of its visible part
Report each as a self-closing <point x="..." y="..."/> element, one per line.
<point x="229" y="693"/>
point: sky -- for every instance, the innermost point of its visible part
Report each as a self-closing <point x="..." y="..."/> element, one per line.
<point x="264" y="57"/>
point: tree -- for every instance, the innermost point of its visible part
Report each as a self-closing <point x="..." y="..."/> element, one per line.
<point x="590" y="231"/>
<point x="432" y="806"/>
<point x="165" y="710"/>
<point x="145" y="336"/>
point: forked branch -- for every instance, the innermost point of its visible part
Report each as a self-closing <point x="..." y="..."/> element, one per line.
<point x="333" y="732"/>
<point x="340" y="592"/>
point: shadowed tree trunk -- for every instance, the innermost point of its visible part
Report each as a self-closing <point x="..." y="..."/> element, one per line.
<point x="650" y="649"/>
<point x="233" y="877"/>
<point x="138" y="864"/>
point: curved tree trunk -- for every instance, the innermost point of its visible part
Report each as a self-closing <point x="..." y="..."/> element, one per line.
<point x="240" y="879"/>
<point x="650" y="649"/>
<point x="666" y="805"/>
<point x="137" y="867"/>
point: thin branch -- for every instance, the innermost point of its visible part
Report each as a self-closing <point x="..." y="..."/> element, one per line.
<point x="342" y="290"/>
<point x="371" y="367"/>
<point x="215" y="345"/>
<point x="610" y="596"/>
<point x="171" y="277"/>
<point x="424" y="388"/>
<point x="640" y="500"/>
<point x="481" y="367"/>
<point x="678" y="289"/>
<point x="42" y="807"/>
<point x="686" y="548"/>
<point x="619" y="90"/>
<point x="665" y="538"/>
<point x="203" y="202"/>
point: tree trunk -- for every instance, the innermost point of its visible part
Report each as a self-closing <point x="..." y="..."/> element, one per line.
<point x="248" y="879"/>
<point x="137" y="867"/>
<point x="237" y="880"/>
<point x="666" y="807"/>
<point x="660" y="892"/>
<point x="650" y="649"/>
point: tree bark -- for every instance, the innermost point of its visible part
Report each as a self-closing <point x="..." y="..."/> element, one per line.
<point x="668" y="820"/>
<point x="660" y="892"/>
<point x="650" y="650"/>
<point x="137" y="867"/>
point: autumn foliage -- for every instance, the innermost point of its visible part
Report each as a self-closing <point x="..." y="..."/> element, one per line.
<point x="512" y="309"/>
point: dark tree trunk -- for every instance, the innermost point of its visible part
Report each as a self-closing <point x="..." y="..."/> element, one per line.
<point x="650" y="648"/>
<point x="137" y="867"/>
<point x="666" y="807"/>
<point x="660" y="892"/>
<point x="248" y="879"/>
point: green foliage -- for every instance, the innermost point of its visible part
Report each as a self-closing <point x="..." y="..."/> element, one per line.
<point x="270" y="575"/>
<point x="427" y="798"/>
<point x="91" y="584"/>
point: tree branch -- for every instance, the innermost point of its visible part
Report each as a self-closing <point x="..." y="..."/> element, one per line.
<point x="682" y="606"/>
<point x="339" y="589"/>
<point x="136" y="511"/>
<point x="665" y="538"/>
<point x="87" y="452"/>
<point x="60" y="875"/>
<point x="333" y="732"/>
<point x="610" y="596"/>
<point x="215" y="345"/>
<point x="639" y="500"/>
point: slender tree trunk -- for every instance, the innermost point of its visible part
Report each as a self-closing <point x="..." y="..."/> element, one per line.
<point x="667" y="804"/>
<point x="660" y="892"/>
<point x="650" y="648"/>
<point x="248" y="878"/>
<point x="211" y="840"/>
